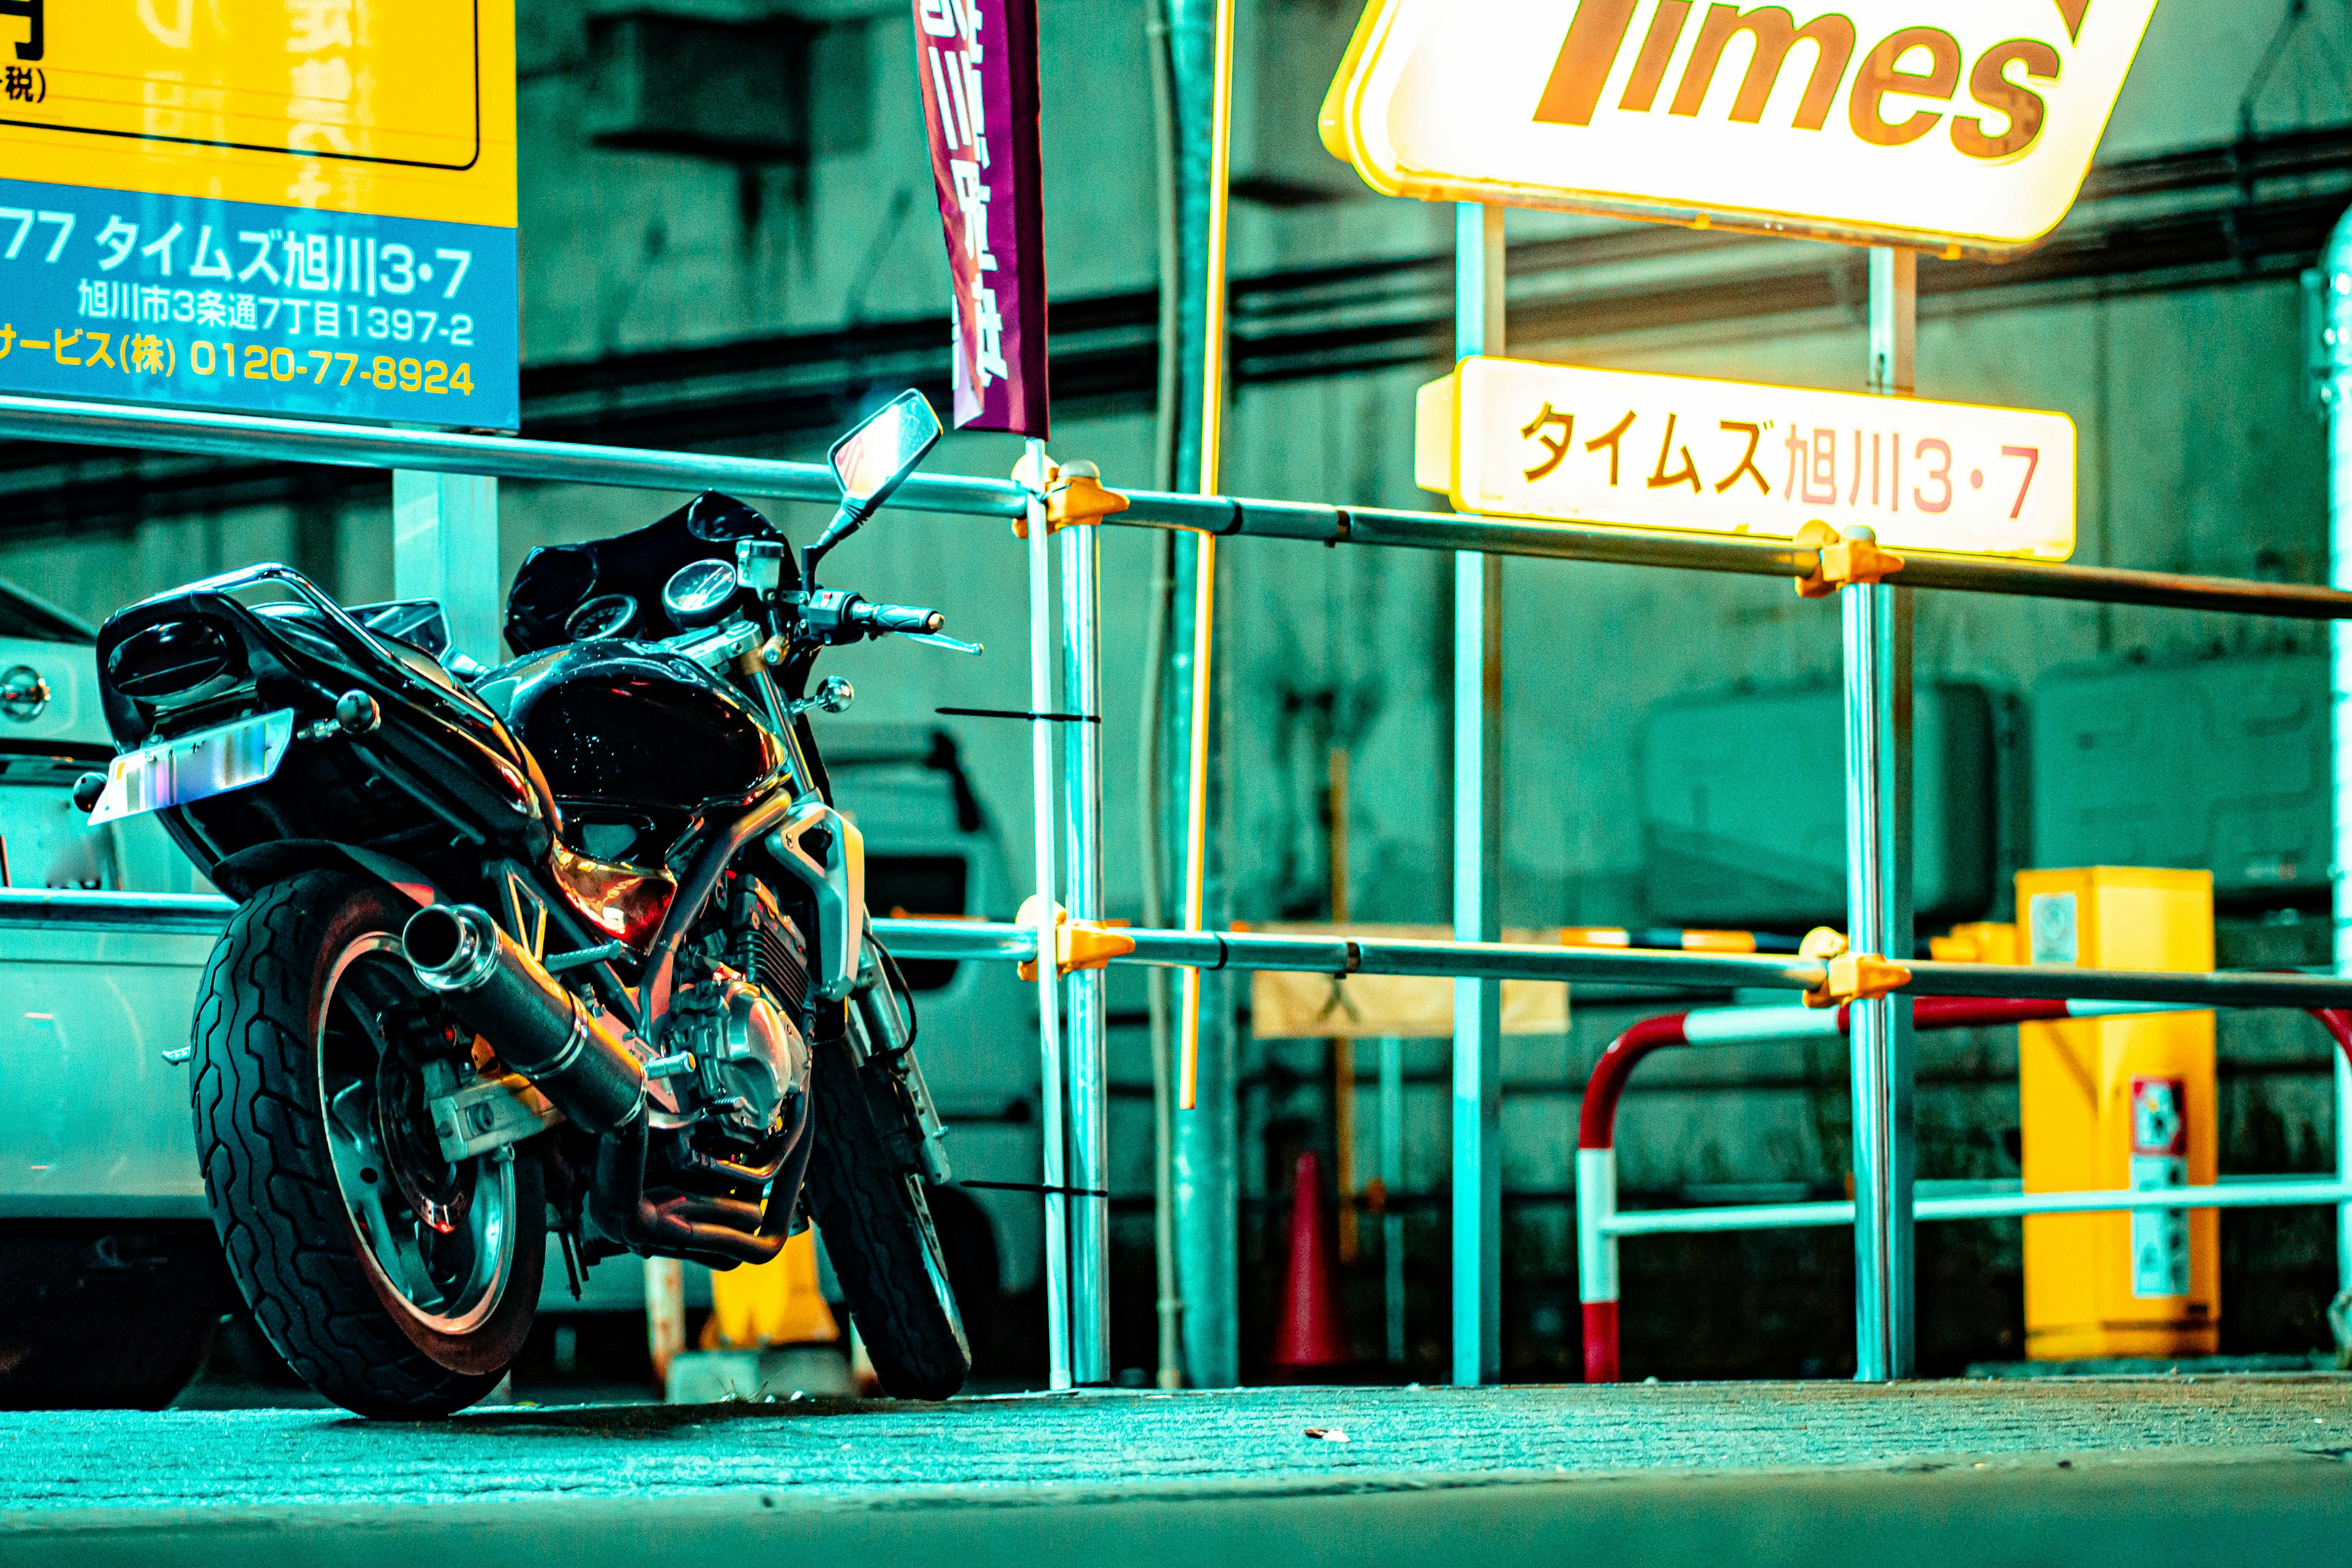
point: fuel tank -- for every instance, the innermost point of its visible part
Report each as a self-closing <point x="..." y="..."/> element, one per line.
<point x="632" y="740"/>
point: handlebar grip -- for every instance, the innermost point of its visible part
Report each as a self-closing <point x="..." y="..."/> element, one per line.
<point x="896" y="617"/>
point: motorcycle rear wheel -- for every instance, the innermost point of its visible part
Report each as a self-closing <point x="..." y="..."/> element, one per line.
<point x="866" y="1197"/>
<point x="397" y="1285"/>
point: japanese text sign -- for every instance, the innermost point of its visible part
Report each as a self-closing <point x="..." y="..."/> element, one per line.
<point x="1514" y="438"/>
<point x="1965" y="129"/>
<point x="298" y="206"/>
<point x="978" y="63"/>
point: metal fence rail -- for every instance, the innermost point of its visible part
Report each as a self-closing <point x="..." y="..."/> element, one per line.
<point x="2280" y="1191"/>
<point x="1601" y="1223"/>
<point x="989" y="941"/>
<point x="502" y="456"/>
<point x="1883" y="1294"/>
<point x="1678" y="971"/>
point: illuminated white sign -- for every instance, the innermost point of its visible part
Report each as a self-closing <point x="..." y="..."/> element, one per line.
<point x="1512" y="438"/>
<point x="1962" y="128"/>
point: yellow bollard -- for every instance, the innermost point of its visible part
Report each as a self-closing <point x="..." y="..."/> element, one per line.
<point x="2119" y="1102"/>
<point x="772" y="1303"/>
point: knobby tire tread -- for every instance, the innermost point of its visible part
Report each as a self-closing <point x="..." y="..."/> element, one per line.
<point x="269" y="1175"/>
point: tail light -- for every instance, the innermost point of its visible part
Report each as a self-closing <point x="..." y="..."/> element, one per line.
<point x="175" y="662"/>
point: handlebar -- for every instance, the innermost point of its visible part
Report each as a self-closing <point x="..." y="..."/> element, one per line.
<point x="912" y="618"/>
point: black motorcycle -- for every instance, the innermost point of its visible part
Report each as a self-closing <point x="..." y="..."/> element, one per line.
<point x="576" y="944"/>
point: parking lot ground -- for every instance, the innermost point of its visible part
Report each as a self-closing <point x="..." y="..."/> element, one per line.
<point x="2143" y="1471"/>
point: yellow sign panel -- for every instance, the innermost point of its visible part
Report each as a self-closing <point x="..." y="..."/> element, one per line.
<point x="300" y="206"/>
<point x="401" y="108"/>
<point x="1514" y="438"/>
<point x="1966" y="128"/>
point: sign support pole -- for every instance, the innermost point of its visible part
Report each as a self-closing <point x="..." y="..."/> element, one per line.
<point x="1878" y="637"/>
<point x="1083" y="879"/>
<point x="1478" y="854"/>
<point x="1049" y="986"/>
<point x="445" y="546"/>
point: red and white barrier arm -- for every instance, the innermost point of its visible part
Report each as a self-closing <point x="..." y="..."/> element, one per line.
<point x="1596" y="1140"/>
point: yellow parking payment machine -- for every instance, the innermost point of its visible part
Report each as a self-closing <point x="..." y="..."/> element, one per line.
<point x="2121" y="1103"/>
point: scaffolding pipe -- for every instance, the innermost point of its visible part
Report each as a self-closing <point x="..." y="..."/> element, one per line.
<point x="2177" y="991"/>
<point x="1044" y="946"/>
<point x="1006" y="942"/>
<point x="1478" y="326"/>
<point x="1877" y="810"/>
<point x="1082" y="877"/>
<point x="564" y="462"/>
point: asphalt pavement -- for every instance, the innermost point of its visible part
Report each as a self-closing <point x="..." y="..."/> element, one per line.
<point x="2170" y="1468"/>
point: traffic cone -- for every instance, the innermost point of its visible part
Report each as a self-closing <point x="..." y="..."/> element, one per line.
<point x="1309" y="1338"/>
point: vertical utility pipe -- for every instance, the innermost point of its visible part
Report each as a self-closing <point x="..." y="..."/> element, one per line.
<point x="2335" y="324"/>
<point x="1083" y="877"/>
<point x="1392" y="1184"/>
<point x="1049" y="1010"/>
<point x="1150" y="817"/>
<point x="1151" y="730"/>
<point x="1205" y="1195"/>
<point x="1478" y="281"/>
<point x="1204" y="580"/>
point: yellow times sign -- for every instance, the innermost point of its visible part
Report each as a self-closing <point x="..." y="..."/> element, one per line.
<point x="1959" y="127"/>
<point x="401" y="108"/>
<point x="266" y="205"/>
<point x="1515" y="438"/>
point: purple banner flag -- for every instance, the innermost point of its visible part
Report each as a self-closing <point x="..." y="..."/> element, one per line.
<point x="978" y="62"/>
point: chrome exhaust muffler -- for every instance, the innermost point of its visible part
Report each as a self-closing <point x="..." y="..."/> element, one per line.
<point x="539" y="1028"/>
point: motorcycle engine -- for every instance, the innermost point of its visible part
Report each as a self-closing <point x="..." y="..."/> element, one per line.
<point x="752" y="1063"/>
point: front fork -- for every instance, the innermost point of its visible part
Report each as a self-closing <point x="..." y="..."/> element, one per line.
<point x="889" y="1040"/>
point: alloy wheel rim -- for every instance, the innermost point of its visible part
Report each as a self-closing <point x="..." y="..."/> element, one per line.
<point x="438" y="1239"/>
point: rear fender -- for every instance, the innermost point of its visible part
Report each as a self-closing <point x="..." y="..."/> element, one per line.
<point x="248" y="871"/>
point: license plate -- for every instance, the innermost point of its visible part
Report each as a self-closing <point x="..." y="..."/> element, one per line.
<point x="195" y="767"/>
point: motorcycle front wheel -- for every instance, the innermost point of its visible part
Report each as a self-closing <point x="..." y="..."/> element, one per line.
<point x="395" y="1283"/>
<point x="865" y="1194"/>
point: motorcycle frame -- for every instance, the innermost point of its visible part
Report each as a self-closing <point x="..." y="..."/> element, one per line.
<point x="514" y="882"/>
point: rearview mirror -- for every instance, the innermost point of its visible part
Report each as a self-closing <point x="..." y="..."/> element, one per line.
<point x="874" y="459"/>
<point x="871" y="462"/>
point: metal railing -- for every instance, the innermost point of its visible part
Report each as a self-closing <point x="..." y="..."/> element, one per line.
<point x="1884" y="1297"/>
<point x="1315" y="523"/>
<point x="1601" y="1223"/>
<point x="1007" y="942"/>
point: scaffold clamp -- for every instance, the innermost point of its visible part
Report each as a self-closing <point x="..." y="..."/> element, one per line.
<point x="1074" y="495"/>
<point x="1843" y="561"/>
<point x="1079" y="945"/>
<point x="1858" y="977"/>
